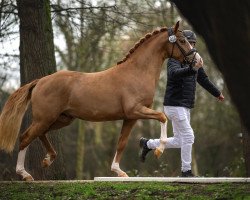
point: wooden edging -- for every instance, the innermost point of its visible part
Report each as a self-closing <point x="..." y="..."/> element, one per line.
<point x="175" y="180"/>
<point x="145" y="179"/>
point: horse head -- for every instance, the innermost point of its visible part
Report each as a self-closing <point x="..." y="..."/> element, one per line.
<point x="179" y="48"/>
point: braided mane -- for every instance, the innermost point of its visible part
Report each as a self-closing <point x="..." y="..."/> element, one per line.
<point x="141" y="41"/>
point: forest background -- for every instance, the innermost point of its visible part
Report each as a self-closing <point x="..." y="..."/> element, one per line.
<point x="92" y="36"/>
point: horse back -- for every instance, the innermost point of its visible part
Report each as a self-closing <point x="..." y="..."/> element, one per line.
<point x="89" y="96"/>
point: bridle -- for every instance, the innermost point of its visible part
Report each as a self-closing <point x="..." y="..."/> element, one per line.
<point x="173" y="39"/>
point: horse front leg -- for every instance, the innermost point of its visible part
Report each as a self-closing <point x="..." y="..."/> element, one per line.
<point x="122" y="142"/>
<point x="163" y="140"/>
<point x="147" y="113"/>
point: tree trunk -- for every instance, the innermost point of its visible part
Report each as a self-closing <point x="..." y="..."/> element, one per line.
<point x="37" y="59"/>
<point x="172" y="17"/>
<point x="246" y="149"/>
<point x="98" y="128"/>
<point x="80" y="150"/>
<point x="195" y="168"/>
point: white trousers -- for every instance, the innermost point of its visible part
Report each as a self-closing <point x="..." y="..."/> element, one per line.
<point x="183" y="134"/>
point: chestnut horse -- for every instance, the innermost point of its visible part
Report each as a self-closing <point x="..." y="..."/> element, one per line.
<point x="125" y="91"/>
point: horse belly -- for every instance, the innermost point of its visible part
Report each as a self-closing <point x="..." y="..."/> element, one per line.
<point x="97" y="110"/>
<point x="96" y="97"/>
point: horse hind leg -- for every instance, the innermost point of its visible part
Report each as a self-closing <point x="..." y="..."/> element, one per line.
<point x="20" y="170"/>
<point x="51" y="153"/>
<point x="38" y="130"/>
<point x="62" y="121"/>
<point x="29" y="135"/>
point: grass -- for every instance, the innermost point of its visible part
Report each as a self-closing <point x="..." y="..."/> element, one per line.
<point x="122" y="191"/>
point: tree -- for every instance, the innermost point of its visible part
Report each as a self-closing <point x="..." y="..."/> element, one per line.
<point x="37" y="59"/>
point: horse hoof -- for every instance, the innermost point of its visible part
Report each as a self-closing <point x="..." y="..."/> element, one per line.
<point x="28" y="178"/>
<point x="123" y="175"/>
<point x="46" y="163"/>
<point x="48" y="160"/>
<point x="158" y="153"/>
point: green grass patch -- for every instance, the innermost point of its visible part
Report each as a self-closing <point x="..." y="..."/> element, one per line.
<point x="123" y="190"/>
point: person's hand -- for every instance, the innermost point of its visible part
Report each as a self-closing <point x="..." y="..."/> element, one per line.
<point x="221" y="97"/>
<point x="198" y="63"/>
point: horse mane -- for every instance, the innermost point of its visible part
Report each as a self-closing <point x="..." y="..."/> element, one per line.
<point x="141" y="41"/>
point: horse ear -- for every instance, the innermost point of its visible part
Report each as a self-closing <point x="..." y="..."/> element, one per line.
<point x="176" y="27"/>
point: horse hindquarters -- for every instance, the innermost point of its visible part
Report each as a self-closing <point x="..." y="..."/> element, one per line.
<point x="43" y="121"/>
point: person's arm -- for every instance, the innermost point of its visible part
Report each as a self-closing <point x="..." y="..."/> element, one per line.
<point x="176" y="71"/>
<point x="203" y="80"/>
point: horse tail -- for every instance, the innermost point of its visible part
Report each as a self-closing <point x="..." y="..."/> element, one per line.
<point x="12" y="115"/>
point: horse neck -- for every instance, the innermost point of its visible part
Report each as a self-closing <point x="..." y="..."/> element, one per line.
<point x="149" y="57"/>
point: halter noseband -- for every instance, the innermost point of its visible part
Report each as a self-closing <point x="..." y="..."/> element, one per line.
<point x="173" y="39"/>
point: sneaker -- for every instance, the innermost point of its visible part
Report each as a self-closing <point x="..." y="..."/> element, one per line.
<point x="144" y="149"/>
<point x="187" y="174"/>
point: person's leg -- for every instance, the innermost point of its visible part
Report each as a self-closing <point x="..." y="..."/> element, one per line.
<point x="186" y="133"/>
<point x="183" y="137"/>
<point x="147" y="145"/>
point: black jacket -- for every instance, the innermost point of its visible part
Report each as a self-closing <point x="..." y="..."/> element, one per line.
<point x="181" y="84"/>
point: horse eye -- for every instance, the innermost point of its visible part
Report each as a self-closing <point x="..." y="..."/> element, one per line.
<point x="183" y="41"/>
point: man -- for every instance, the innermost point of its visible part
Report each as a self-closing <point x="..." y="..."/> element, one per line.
<point x="179" y="99"/>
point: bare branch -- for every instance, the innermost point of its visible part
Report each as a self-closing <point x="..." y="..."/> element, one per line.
<point x="9" y="55"/>
<point x="57" y="8"/>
